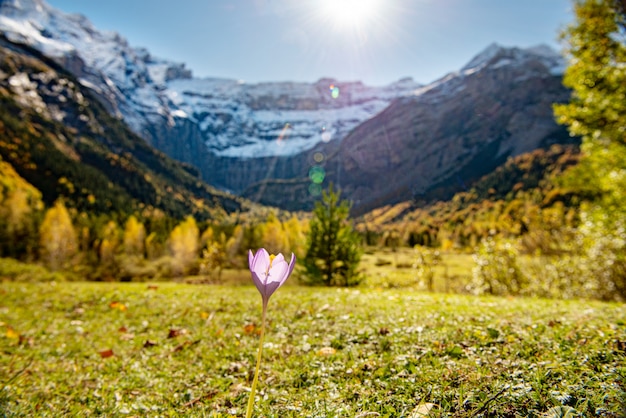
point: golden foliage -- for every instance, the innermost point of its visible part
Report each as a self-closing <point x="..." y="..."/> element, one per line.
<point x="58" y="242"/>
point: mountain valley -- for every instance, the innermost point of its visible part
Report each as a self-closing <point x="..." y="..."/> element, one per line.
<point x="280" y="143"/>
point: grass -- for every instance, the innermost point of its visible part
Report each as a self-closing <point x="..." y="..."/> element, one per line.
<point x="87" y="349"/>
<point x="387" y="268"/>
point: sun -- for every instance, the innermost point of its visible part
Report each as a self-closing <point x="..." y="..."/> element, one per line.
<point x="350" y="14"/>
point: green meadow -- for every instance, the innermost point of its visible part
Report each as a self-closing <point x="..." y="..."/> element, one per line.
<point x="173" y="349"/>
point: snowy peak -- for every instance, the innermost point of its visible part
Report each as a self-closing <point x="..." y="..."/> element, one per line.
<point x="58" y="34"/>
<point x="528" y="62"/>
<point x="495" y="56"/>
<point x="483" y="58"/>
<point x="158" y="99"/>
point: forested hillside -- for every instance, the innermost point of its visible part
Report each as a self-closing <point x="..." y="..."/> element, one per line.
<point x="61" y="140"/>
<point x="519" y="198"/>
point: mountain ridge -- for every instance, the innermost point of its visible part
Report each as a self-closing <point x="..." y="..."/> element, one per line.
<point x="150" y="90"/>
<point x="258" y="140"/>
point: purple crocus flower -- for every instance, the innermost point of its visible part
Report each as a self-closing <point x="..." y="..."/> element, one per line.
<point x="269" y="272"/>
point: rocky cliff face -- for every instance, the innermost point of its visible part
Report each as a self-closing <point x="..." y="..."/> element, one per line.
<point x="442" y="138"/>
<point x="456" y="130"/>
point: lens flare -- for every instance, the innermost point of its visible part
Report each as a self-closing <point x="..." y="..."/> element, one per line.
<point x="318" y="157"/>
<point x="315" y="189"/>
<point x="284" y="133"/>
<point x="334" y="91"/>
<point x="317" y="174"/>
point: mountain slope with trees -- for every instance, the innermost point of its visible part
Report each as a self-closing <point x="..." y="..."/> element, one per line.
<point x="518" y="196"/>
<point x="60" y="139"/>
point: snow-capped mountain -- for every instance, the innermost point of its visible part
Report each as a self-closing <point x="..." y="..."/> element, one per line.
<point x="379" y="144"/>
<point x="232" y="118"/>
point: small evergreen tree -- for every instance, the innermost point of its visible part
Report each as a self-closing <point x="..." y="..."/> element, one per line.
<point x="334" y="248"/>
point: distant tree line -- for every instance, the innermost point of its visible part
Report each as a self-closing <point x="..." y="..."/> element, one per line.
<point x="140" y="246"/>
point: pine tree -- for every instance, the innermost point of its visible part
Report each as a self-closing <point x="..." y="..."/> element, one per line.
<point x="334" y="249"/>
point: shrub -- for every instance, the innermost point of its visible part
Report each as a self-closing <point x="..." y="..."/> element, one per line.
<point x="23" y="272"/>
<point x="497" y="271"/>
<point x="425" y="263"/>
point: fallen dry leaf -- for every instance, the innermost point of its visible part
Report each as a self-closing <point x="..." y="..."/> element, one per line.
<point x="106" y="353"/>
<point x="249" y="328"/>
<point x="117" y="305"/>
<point x="12" y="334"/>
<point x="26" y="340"/>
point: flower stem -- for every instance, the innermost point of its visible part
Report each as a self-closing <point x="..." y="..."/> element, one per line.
<point x="258" y="365"/>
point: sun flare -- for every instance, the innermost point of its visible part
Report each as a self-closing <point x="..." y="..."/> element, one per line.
<point x="350" y="14"/>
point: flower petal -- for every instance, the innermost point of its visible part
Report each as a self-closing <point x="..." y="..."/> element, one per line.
<point x="278" y="271"/>
<point x="260" y="284"/>
<point x="270" y="288"/>
<point x="278" y="258"/>
<point x="292" y="264"/>
<point x="260" y="262"/>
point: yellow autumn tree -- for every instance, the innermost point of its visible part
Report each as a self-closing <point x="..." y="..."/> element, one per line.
<point x="234" y="250"/>
<point x="296" y="235"/>
<point x="207" y="236"/>
<point x="109" y="244"/>
<point x="214" y="257"/>
<point x="134" y="237"/>
<point x="273" y="236"/>
<point x="58" y="242"/>
<point x="19" y="201"/>
<point x="183" y="245"/>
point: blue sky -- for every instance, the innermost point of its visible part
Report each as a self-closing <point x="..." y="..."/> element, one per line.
<point x="376" y="41"/>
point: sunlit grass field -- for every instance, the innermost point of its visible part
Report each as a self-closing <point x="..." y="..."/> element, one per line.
<point x="395" y="268"/>
<point x="165" y="349"/>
